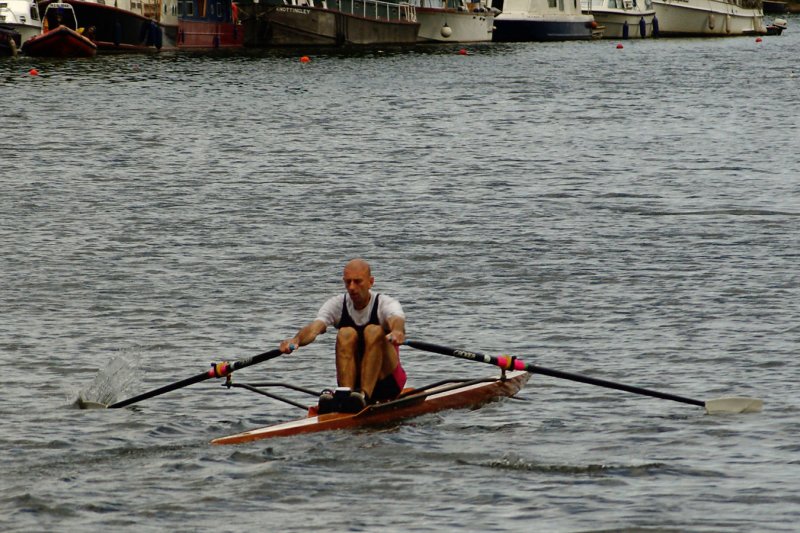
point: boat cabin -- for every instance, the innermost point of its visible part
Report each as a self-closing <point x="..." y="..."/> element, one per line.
<point x="18" y="12"/>
<point x="59" y="14"/>
<point x="206" y="10"/>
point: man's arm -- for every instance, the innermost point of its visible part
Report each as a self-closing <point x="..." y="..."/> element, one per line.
<point x="305" y="336"/>
<point x="397" y="329"/>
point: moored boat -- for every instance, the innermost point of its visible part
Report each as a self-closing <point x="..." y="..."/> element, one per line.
<point x="61" y="35"/>
<point x="328" y="23"/>
<point x="128" y="25"/>
<point x="702" y="18"/>
<point x="22" y="17"/>
<point x="777" y="27"/>
<point x="211" y="26"/>
<point x="542" y="20"/>
<point x="451" y="394"/>
<point x="622" y="19"/>
<point x="455" y="21"/>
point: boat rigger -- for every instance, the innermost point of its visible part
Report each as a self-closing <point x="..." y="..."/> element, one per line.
<point x="450" y="394"/>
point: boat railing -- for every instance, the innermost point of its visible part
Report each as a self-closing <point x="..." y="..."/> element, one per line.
<point x="376" y="9"/>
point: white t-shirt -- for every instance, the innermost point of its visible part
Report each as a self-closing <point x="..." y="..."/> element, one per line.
<point x="331" y="311"/>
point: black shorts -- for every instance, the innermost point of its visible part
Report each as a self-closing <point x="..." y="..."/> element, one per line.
<point x="389" y="387"/>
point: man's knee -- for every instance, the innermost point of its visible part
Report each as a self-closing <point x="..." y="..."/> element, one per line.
<point x="347" y="337"/>
<point x="373" y="334"/>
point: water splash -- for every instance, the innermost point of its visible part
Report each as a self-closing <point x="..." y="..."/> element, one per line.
<point x="112" y="382"/>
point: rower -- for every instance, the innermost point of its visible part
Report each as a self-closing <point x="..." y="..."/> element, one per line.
<point x="371" y="329"/>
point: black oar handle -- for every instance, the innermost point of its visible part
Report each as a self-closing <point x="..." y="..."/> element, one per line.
<point x="512" y="363"/>
<point x="218" y="370"/>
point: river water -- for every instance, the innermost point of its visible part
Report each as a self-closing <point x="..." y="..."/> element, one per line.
<point x="630" y="214"/>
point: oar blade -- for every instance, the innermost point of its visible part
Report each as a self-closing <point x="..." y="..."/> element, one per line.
<point x="87" y="404"/>
<point x="733" y="405"/>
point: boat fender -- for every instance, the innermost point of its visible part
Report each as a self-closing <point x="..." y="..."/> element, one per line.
<point x="144" y="33"/>
<point x="712" y="21"/>
<point x="642" y="28"/>
<point x="625" y="30"/>
<point x="12" y="45"/>
<point x="215" y="42"/>
<point x="728" y="23"/>
<point x="655" y="27"/>
<point x="446" y="31"/>
<point x="117" y="32"/>
<point x="159" y="37"/>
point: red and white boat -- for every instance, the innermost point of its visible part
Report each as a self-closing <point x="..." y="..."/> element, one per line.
<point x="450" y="394"/>
<point x="61" y="36"/>
<point x="214" y="26"/>
<point x="127" y="25"/>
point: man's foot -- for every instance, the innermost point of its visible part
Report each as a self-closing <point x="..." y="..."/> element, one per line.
<point x="354" y="403"/>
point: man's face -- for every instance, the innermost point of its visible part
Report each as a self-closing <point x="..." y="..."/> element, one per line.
<point x="358" y="282"/>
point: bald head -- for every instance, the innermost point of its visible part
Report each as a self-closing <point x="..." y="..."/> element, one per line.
<point x="358" y="281"/>
<point x="359" y="265"/>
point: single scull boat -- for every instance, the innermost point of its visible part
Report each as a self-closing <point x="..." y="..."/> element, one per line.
<point x="451" y="394"/>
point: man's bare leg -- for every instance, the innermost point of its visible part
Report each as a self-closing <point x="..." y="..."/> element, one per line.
<point x="380" y="358"/>
<point x="346" y="350"/>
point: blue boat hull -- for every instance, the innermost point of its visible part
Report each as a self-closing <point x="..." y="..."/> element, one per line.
<point x="521" y="30"/>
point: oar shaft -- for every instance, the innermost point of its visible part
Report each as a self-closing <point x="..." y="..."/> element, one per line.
<point x="517" y="364"/>
<point x="217" y="370"/>
<point x="161" y="390"/>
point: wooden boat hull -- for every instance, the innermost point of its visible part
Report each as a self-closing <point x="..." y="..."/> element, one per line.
<point x="270" y="25"/>
<point x="200" y="34"/>
<point x="59" y="42"/>
<point x="411" y="404"/>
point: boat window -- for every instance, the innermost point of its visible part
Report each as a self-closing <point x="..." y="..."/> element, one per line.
<point x="612" y="4"/>
<point x="561" y="5"/>
<point x="34" y="12"/>
<point x="551" y="3"/>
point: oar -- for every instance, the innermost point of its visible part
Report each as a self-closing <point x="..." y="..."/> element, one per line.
<point x="715" y="406"/>
<point x="218" y="370"/>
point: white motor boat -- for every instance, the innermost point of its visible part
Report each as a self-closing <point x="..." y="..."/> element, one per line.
<point x="698" y="18"/>
<point x="622" y="19"/>
<point x="454" y="21"/>
<point x="542" y="20"/>
<point x="22" y="16"/>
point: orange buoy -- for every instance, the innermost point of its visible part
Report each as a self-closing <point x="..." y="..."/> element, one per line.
<point x="758" y="39"/>
<point x="463" y="51"/>
<point x="619" y="46"/>
<point x="305" y="59"/>
<point x="33" y="72"/>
